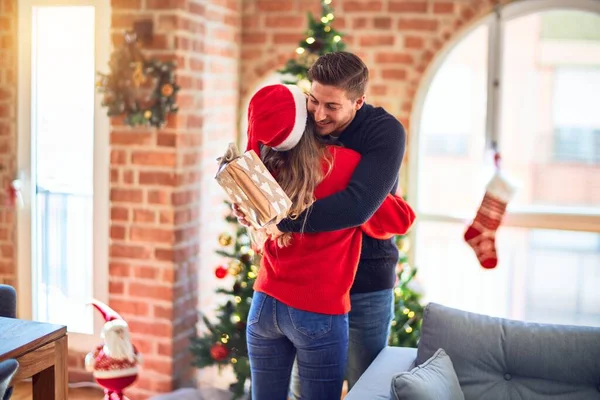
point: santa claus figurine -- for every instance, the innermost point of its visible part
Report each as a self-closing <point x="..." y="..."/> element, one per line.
<point x="115" y="362"/>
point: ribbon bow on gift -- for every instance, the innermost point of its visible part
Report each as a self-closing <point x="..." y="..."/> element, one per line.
<point x="231" y="154"/>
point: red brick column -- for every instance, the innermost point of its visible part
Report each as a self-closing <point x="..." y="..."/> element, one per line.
<point x="8" y="136"/>
<point x="159" y="182"/>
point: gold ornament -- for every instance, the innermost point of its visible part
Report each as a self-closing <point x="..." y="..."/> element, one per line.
<point x="148" y="114"/>
<point x="138" y="74"/>
<point x="235" y="268"/>
<point x="225" y="239"/>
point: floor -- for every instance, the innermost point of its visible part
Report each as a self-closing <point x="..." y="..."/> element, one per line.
<point x="23" y="392"/>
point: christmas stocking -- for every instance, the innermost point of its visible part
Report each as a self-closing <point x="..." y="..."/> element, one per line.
<point x="481" y="234"/>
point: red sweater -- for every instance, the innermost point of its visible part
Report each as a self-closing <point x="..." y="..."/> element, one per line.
<point x="315" y="272"/>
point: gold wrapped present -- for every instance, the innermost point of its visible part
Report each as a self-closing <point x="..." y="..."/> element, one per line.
<point x="251" y="186"/>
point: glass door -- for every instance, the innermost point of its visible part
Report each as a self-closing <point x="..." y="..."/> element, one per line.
<point x="63" y="161"/>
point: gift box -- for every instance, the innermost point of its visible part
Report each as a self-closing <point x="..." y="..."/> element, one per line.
<point x="251" y="186"/>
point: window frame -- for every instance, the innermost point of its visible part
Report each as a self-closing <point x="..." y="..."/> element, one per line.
<point x="585" y="219"/>
<point x="101" y="218"/>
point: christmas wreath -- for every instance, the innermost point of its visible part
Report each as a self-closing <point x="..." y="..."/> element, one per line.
<point x="142" y="90"/>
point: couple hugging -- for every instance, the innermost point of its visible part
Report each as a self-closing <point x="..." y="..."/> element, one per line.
<point x="323" y="300"/>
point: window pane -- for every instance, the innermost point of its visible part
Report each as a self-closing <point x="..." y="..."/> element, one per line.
<point x="451" y="138"/>
<point x="542" y="276"/>
<point x="550" y="126"/>
<point x="63" y="75"/>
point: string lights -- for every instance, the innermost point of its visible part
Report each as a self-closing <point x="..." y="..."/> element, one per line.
<point x="321" y="38"/>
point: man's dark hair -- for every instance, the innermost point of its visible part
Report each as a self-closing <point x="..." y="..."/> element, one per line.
<point x="343" y="70"/>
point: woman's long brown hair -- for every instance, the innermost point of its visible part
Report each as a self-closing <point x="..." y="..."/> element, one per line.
<point x="299" y="170"/>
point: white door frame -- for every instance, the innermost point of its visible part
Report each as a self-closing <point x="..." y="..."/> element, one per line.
<point x="26" y="167"/>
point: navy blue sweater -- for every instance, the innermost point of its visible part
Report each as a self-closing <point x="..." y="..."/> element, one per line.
<point x="380" y="139"/>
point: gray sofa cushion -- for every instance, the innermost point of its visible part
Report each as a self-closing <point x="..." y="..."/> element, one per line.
<point x="496" y="358"/>
<point x="374" y="384"/>
<point x="434" y="379"/>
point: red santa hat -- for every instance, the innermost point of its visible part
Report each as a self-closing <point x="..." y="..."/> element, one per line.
<point x="107" y="313"/>
<point x="276" y="117"/>
<point x="111" y="317"/>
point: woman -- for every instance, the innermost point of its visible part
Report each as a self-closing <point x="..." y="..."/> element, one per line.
<point x="301" y="301"/>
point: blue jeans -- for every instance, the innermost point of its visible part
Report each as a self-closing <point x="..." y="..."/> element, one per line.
<point x="370" y="321"/>
<point x="277" y="333"/>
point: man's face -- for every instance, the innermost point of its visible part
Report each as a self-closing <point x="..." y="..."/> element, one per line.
<point x="332" y="109"/>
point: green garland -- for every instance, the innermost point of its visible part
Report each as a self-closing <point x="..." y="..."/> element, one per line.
<point x="143" y="91"/>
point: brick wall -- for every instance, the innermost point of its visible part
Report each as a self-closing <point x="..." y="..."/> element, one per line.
<point x="8" y="134"/>
<point x="397" y="39"/>
<point x="163" y="199"/>
<point x="221" y="55"/>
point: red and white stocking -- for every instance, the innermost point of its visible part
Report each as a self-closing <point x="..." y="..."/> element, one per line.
<point x="481" y="234"/>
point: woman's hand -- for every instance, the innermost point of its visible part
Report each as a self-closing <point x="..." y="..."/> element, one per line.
<point x="241" y="217"/>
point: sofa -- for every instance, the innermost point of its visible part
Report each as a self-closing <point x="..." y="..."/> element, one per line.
<point x="8" y="301"/>
<point x="492" y="358"/>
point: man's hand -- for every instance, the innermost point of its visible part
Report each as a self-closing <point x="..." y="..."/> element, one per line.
<point x="241" y="217"/>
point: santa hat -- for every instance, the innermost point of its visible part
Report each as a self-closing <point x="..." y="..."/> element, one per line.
<point x="111" y="317"/>
<point x="276" y="117"/>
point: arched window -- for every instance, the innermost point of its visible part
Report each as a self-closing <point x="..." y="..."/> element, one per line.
<point x="528" y="79"/>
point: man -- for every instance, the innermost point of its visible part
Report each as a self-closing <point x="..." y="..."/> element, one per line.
<point x="337" y="103"/>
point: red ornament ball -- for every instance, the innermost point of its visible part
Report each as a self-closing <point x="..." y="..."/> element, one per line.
<point x="221" y="272"/>
<point x="219" y="352"/>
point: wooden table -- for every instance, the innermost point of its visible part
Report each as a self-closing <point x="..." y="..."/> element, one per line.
<point x="41" y="350"/>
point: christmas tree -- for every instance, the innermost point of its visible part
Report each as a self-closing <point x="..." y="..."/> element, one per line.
<point x="321" y="38"/>
<point x="406" y="326"/>
<point x="224" y="342"/>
